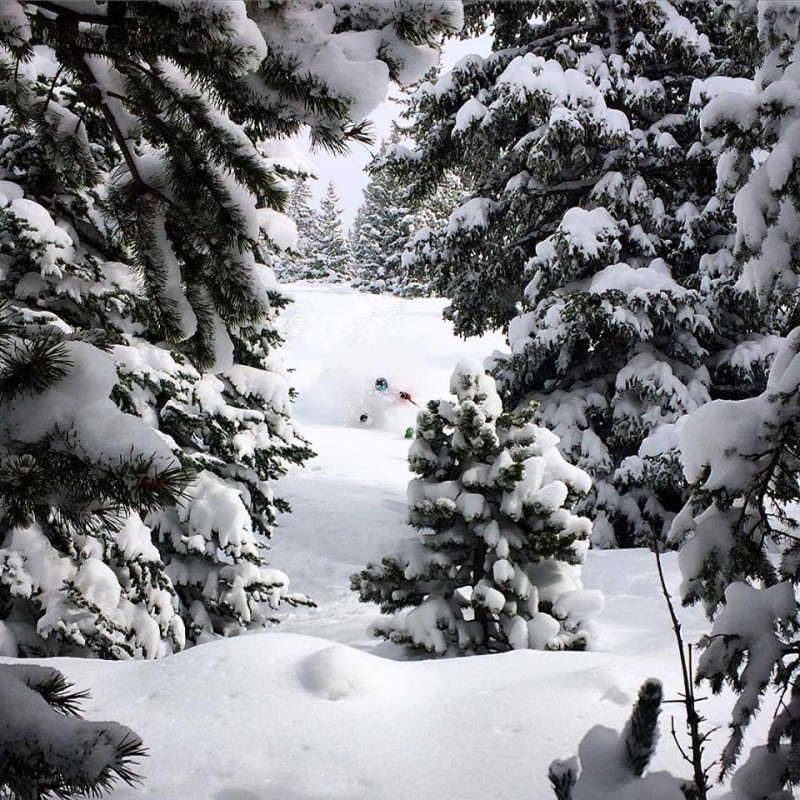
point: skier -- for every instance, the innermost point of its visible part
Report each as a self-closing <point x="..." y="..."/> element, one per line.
<point x="381" y="386"/>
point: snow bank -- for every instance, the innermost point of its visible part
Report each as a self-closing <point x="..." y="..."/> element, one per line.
<point x="348" y="724"/>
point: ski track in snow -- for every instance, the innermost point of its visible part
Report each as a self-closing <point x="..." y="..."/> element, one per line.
<point x="305" y="710"/>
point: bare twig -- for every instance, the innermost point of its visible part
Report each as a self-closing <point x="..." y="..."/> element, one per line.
<point x="693" y="719"/>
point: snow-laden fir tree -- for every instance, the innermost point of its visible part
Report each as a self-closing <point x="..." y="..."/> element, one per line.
<point x="291" y="264"/>
<point x="48" y="750"/>
<point x="327" y="252"/>
<point x="77" y="566"/>
<point x="592" y="200"/>
<point x="391" y="224"/>
<point x="741" y="457"/>
<point x="138" y="341"/>
<point x="380" y="230"/>
<point x="431" y="213"/>
<point x="205" y="418"/>
<point x="236" y="433"/>
<point x="497" y="562"/>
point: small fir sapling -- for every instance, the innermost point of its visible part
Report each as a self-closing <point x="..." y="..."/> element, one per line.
<point x="47" y="750"/>
<point x="496" y="565"/>
<point x="612" y="766"/>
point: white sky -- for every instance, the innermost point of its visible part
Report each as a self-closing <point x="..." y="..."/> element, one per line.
<point x="347" y="172"/>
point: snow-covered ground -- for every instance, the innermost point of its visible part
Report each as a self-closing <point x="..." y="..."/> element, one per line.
<point x="315" y="709"/>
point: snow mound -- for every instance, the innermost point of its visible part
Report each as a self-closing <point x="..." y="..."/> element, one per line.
<point x="339" y="672"/>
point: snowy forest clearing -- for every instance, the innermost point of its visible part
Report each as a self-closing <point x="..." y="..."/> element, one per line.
<point x="335" y="715"/>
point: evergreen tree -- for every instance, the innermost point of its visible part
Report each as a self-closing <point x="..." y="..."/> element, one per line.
<point x="497" y="563"/>
<point x="392" y="230"/>
<point x="592" y="202"/>
<point x="741" y="456"/>
<point x="292" y="264"/>
<point x="394" y="221"/>
<point x="76" y="474"/>
<point x="143" y="417"/>
<point x="430" y="213"/>
<point x="380" y="231"/>
<point x="327" y="254"/>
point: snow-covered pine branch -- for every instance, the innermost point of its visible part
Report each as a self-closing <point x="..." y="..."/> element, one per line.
<point x="47" y="750"/>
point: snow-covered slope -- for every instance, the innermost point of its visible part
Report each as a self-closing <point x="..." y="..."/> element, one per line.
<point x="316" y="710"/>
